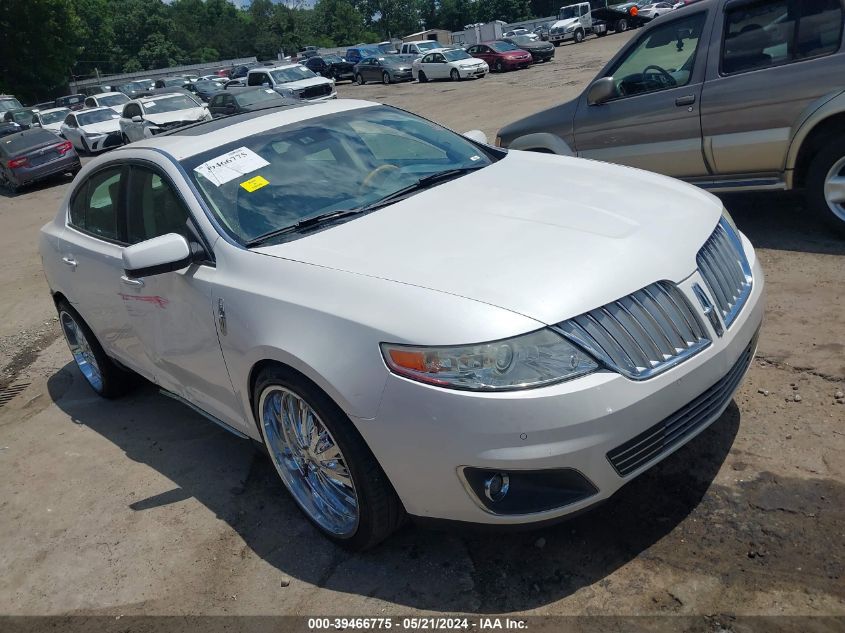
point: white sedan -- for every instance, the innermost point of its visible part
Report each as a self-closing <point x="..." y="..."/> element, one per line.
<point x="147" y="116"/>
<point x="656" y="9"/>
<point x="92" y="130"/>
<point x="454" y="64"/>
<point x="412" y="322"/>
<point x="113" y="100"/>
<point x="50" y="119"/>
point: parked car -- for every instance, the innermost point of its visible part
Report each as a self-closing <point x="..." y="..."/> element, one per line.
<point x="676" y="102"/>
<point x="419" y="48"/>
<point x="542" y="32"/>
<point x="135" y="89"/>
<point x="540" y="51"/>
<point x="50" y="119"/>
<point x="32" y="155"/>
<point x="656" y="10"/>
<point x="147" y="116"/>
<point x="204" y="89"/>
<point x="72" y="102"/>
<point x="501" y="56"/>
<point x="93" y="130"/>
<point x="171" y="82"/>
<point x="9" y="128"/>
<point x="372" y="399"/>
<point x="331" y="66"/>
<point x="356" y="53"/>
<point x="113" y="100"/>
<point x="246" y="99"/>
<point x="515" y="32"/>
<point x="308" y="51"/>
<point x="8" y="102"/>
<point x="387" y="69"/>
<point x="453" y="64"/>
<point x="241" y="71"/>
<point x="387" y="48"/>
<point x="293" y="81"/>
<point x="22" y="117"/>
<point x="44" y="105"/>
<point x="92" y="90"/>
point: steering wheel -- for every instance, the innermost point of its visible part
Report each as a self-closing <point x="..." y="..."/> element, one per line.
<point x="378" y="171"/>
<point x="668" y="79"/>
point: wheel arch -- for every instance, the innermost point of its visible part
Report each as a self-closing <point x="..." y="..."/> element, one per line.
<point x="818" y="134"/>
<point x="542" y="142"/>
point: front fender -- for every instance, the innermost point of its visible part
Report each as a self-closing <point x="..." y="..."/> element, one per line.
<point x="542" y="142"/>
<point x="819" y="110"/>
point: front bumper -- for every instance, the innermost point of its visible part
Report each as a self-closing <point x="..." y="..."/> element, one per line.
<point x="468" y="73"/>
<point x="572" y="425"/>
<point x="562" y="37"/>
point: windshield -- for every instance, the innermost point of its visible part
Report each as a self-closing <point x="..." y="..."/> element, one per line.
<point x="96" y="116"/>
<point x="113" y="100"/>
<point x="24" y="116"/>
<point x="427" y="46"/>
<point x="332" y="59"/>
<point x="346" y="160"/>
<point x="55" y="116"/>
<point x="9" y="104"/>
<point x="503" y="47"/>
<point x="169" y="104"/>
<point x="259" y="95"/>
<point x="295" y="73"/>
<point x="453" y="56"/>
<point x="567" y="13"/>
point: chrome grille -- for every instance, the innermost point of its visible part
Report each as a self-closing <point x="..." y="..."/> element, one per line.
<point x="642" y="334"/>
<point x="722" y="263"/>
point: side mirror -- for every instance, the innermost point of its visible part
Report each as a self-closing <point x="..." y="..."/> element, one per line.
<point x="478" y="136"/>
<point x="137" y="119"/>
<point x="601" y="91"/>
<point x="161" y="254"/>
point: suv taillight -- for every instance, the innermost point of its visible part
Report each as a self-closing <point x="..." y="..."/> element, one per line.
<point x="17" y="162"/>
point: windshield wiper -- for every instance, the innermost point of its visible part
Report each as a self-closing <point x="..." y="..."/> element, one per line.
<point x="313" y="221"/>
<point x="423" y="183"/>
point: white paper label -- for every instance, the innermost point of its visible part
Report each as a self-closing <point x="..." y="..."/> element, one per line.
<point x="234" y="164"/>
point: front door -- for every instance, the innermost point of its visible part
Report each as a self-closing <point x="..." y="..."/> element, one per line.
<point x="653" y="123"/>
<point x="171" y="314"/>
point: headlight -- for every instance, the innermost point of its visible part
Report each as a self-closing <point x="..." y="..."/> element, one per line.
<point x="531" y="360"/>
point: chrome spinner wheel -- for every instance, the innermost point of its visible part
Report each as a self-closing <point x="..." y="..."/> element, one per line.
<point x="81" y="350"/>
<point x="834" y="189"/>
<point x="309" y="460"/>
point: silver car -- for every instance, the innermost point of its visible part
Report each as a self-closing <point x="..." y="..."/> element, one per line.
<point x="730" y="96"/>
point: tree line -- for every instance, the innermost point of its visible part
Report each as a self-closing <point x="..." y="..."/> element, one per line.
<point x="44" y="43"/>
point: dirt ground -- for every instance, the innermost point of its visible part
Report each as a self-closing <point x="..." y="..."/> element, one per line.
<point x="139" y="506"/>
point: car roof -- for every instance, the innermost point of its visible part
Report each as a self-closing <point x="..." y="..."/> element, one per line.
<point x="202" y="137"/>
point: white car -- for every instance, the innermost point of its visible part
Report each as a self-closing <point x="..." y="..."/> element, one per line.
<point x="293" y="81"/>
<point x="92" y="130"/>
<point x="147" y="116"/>
<point x="452" y="63"/>
<point x="113" y="100"/>
<point x="50" y="119"/>
<point x="656" y="10"/>
<point x="516" y="32"/>
<point x="409" y="320"/>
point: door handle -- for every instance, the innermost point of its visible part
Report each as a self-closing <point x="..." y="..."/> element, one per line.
<point x="138" y="283"/>
<point x="69" y="261"/>
<point x="686" y="100"/>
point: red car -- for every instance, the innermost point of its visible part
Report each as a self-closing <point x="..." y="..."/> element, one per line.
<point x="501" y="56"/>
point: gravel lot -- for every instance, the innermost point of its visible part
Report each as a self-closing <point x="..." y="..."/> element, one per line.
<point x="141" y="507"/>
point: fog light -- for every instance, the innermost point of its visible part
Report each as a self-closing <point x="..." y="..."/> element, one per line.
<point x="496" y="487"/>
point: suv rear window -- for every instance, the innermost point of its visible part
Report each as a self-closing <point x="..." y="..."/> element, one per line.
<point x="774" y="32"/>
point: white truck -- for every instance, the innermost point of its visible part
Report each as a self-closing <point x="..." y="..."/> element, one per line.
<point x="579" y="19"/>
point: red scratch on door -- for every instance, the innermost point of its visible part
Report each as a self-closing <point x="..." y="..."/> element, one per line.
<point x="161" y="302"/>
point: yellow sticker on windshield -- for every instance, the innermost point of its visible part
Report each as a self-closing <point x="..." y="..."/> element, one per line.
<point x="255" y="183"/>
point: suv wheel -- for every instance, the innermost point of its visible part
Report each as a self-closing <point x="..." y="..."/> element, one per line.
<point x="826" y="184"/>
<point x="323" y="461"/>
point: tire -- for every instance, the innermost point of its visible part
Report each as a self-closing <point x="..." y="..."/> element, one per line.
<point x="556" y="44"/>
<point x="498" y="66"/>
<point x="579" y="36"/>
<point x="359" y="79"/>
<point x="829" y="163"/>
<point x="621" y="26"/>
<point x="385" y="78"/>
<point x="378" y="510"/>
<point x="100" y="372"/>
<point x="422" y="78"/>
<point x="455" y="75"/>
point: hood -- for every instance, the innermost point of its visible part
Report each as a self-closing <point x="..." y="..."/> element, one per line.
<point x="519" y="53"/>
<point x="544" y="236"/>
<point x="562" y="24"/>
<point x="53" y="127"/>
<point x="305" y="83"/>
<point x="118" y="108"/>
<point x="469" y="63"/>
<point x="104" y="127"/>
<point x="189" y="114"/>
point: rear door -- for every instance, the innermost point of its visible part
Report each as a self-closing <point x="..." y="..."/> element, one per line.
<point x="769" y="61"/>
<point x="654" y="121"/>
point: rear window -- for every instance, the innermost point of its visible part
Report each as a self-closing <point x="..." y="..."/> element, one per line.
<point x="20" y="143"/>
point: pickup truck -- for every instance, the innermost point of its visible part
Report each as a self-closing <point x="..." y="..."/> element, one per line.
<point x="293" y="81"/>
<point x="730" y="95"/>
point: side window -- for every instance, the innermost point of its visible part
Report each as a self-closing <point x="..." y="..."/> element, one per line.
<point x="94" y="209"/>
<point x="253" y="79"/>
<point x="154" y="207"/>
<point x="427" y="59"/>
<point x="131" y="110"/>
<point x="70" y="120"/>
<point x="662" y="59"/>
<point x="217" y="101"/>
<point x="775" y="32"/>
